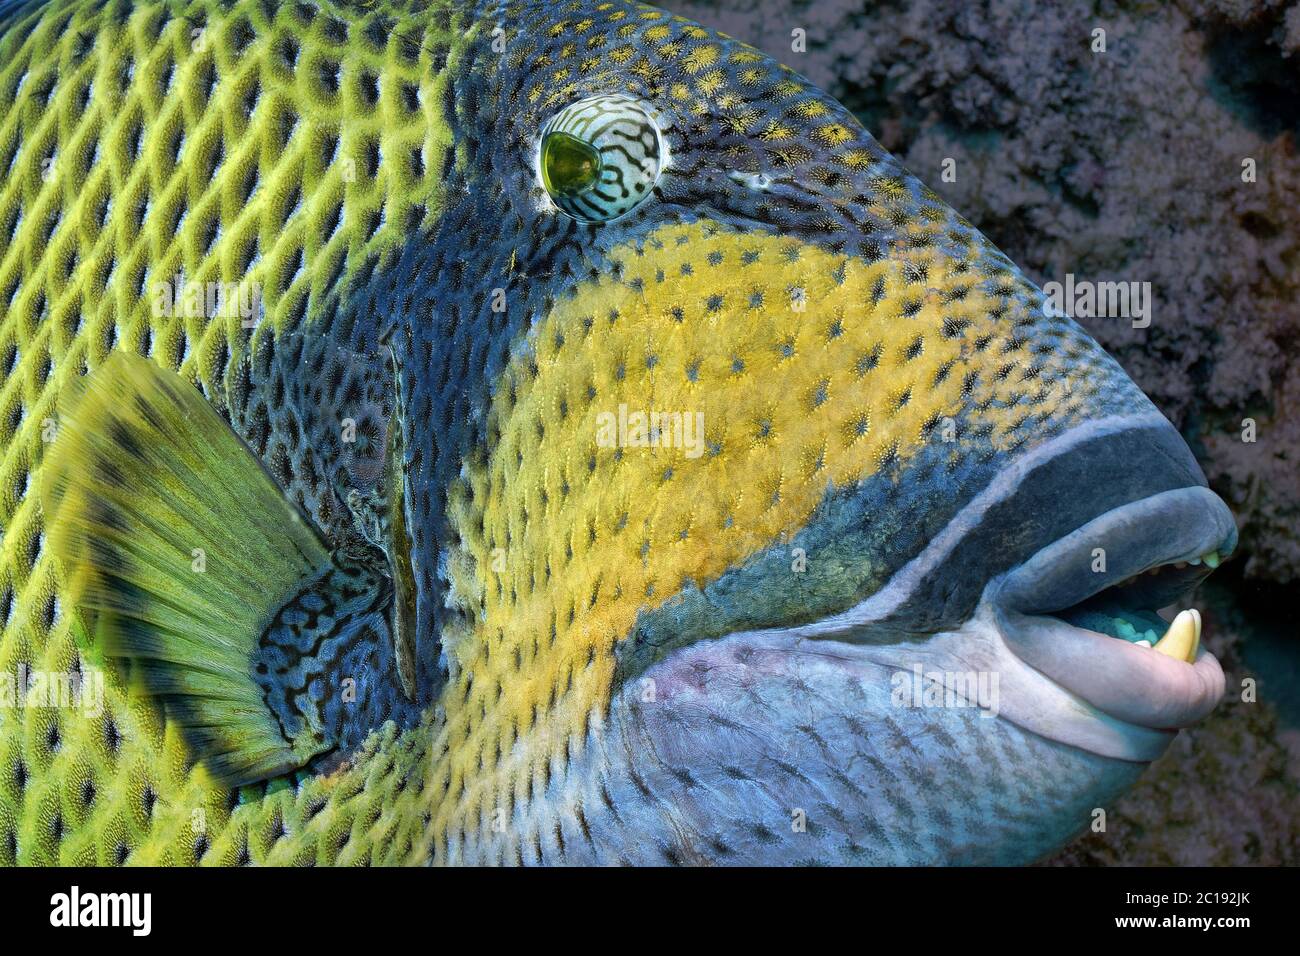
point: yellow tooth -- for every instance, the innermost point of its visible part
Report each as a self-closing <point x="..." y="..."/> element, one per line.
<point x="1183" y="637"/>
<point x="1212" y="559"/>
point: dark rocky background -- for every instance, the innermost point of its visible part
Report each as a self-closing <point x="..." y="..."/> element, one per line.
<point x="1127" y="165"/>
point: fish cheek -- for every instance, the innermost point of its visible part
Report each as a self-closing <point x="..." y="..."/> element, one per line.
<point x="671" y="419"/>
<point x="681" y="412"/>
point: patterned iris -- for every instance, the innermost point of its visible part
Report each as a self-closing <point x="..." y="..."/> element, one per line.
<point x="600" y="157"/>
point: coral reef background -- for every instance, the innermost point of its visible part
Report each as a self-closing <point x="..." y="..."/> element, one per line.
<point x="1127" y="165"/>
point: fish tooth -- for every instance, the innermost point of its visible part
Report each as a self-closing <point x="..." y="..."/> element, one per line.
<point x="1183" y="637"/>
<point x="1212" y="559"/>
<point x="1195" y="562"/>
<point x="1142" y="643"/>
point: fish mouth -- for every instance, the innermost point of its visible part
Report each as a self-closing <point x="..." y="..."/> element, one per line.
<point x="1055" y="576"/>
<point x="1045" y="585"/>
<point x="1085" y="610"/>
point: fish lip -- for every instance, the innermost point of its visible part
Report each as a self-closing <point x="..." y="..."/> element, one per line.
<point x="1130" y="683"/>
<point x="1133" y="684"/>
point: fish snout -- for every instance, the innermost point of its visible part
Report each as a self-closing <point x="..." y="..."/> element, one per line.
<point x="1068" y="576"/>
<point x="1081" y="512"/>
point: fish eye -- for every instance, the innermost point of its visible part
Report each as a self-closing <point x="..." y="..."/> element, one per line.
<point x="600" y="157"/>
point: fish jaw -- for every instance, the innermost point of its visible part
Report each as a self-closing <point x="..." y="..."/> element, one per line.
<point x="855" y="740"/>
<point x="770" y="749"/>
<point x="1113" y="697"/>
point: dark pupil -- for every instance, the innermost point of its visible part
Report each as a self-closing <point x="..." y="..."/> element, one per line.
<point x="569" y="165"/>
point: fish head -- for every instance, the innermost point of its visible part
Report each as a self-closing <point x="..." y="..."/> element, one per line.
<point x="785" y="518"/>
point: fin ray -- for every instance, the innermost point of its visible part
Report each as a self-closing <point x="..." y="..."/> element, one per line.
<point x="180" y="548"/>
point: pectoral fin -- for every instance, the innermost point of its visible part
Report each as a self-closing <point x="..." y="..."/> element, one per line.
<point x="190" y="565"/>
